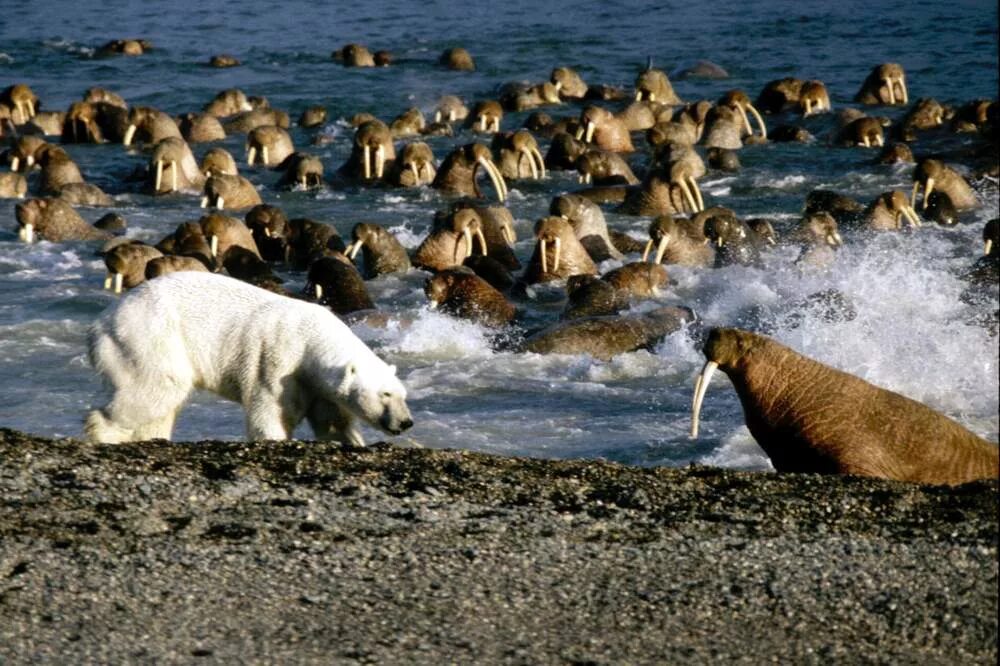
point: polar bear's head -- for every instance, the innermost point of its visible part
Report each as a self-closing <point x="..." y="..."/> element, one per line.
<point x="376" y="395"/>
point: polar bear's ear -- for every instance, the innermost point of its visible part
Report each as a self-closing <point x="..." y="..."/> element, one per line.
<point x="349" y="372"/>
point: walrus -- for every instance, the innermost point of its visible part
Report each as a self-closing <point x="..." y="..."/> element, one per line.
<point x="21" y="154"/>
<point x="497" y="225"/>
<point x="590" y="296"/>
<point x="381" y="251"/>
<point x="223" y="232"/>
<point x="334" y="282"/>
<point x="517" y="155"/>
<point x="558" y="253"/>
<point x="128" y="47"/>
<point x="678" y="241"/>
<point x="271" y="232"/>
<point x="301" y="170"/>
<point x="313" y="116"/>
<point x="84" y="194"/>
<point x="457" y="59"/>
<point x="485" y="117"/>
<point x="53" y="220"/>
<point x="409" y="123"/>
<point x="228" y="103"/>
<point x="372" y="153"/>
<point x="126" y="264"/>
<point x="461" y="293"/>
<point x="653" y="85"/>
<point x="232" y="192"/>
<point x="13" y="186"/>
<point x="460" y="167"/>
<point x="188" y="239"/>
<point x="223" y="60"/>
<point x="931" y="174"/>
<point x="604" y="168"/>
<point x="200" y="128"/>
<point x="564" y="151"/>
<point x="246" y="122"/>
<point x="568" y="83"/>
<point x="734" y="242"/>
<point x="218" y="162"/>
<point x="173" y="263"/>
<point x="242" y="264"/>
<point x="450" y="109"/>
<point x="638" y="279"/>
<point x="886" y="84"/>
<point x="819" y="235"/>
<point x="268" y="145"/>
<point x="22" y="102"/>
<point x="887" y="212"/>
<point x="172" y="167"/>
<point x="809" y="417"/>
<point x="739" y="101"/>
<point x="606" y="131"/>
<point x="149" y="125"/>
<point x="58" y="169"/>
<point x="414" y="166"/>
<point x="310" y="240"/>
<point x="606" y="337"/>
<point x="450" y="241"/>
<point x="354" y="55"/>
<point x="588" y="223"/>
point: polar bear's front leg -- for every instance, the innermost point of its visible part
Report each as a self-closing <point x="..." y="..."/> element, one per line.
<point x="267" y="420"/>
<point x="330" y="421"/>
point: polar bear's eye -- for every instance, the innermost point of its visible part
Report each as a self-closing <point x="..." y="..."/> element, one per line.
<point x="386" y="394"/>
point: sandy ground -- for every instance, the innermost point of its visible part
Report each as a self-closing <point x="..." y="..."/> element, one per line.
<point x="307" y="552"/>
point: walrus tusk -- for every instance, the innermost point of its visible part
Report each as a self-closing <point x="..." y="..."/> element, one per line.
<point x="213" y="244"/>
<point x="697" y="193"/>
<point x="652" y="97"/>
<point x="482" y="123"/>
<point x="482" y="242"/>
<point x="590" y="131"/>
<point x="760" y="120"/>
<point x="509" y="237"/>
<point x="913" y="195"/>
<point x="129" y="133"/>
<point x="700" y="386"/>
<point x="107" y="281"/>
<point x="866" y="143"/>
<point x="416" y="173"/>
<point x="467" y="237"/>
<point x="204" y="201"/>
<point x="987" y="246"/>
<point x="352" y="250"/>
<point x="496" y="125"/>
<point x="31" y="108"/>
<point x="557" y="242"/>
<point x="495" y="177"/>
<point x="746" y="121"/>
<point x="638" y="95"/>
<point x="526" y="152"/>
<point x="661" y="249"/>
<point x="368" y="163"/>
<point x="305" y="183"/>
<point x="219" y="202"/>
<point x="14" y="163"/>
<point x="928" y="188"/>
<point x="159" y="175"/>
<point x="27" y="233"/>
<point x="890" y="84"/>
<point x="902" y="88"/>
<point x="318" y="291"/>
<point x="437" y="116"/>
<point x="432" y="304"/>
<point x="379" y="161"/>
<point x="834" y="239"/>
<point x="687" y="194"/>
<point x="584" y="179"/>
<point x="451" y="115"/>
<point x="119" y="278"/>
<point x="578" y="135"/>
<point x="541" y="251"/>
<point x="557" y="85"/>
<point x="263" y="155"/>
<point x="541" y="160"/>
<point x="645" y="252"/>
<point x="808" y="109"/>
<point x="911" y="216"/>
<point x="251" y="155"/>
<point x="173" y="175"/>
<point x="879" y="141"/>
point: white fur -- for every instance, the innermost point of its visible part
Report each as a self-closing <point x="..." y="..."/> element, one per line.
<point x="282" y="359"/>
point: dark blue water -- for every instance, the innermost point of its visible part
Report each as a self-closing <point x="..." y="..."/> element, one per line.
<point x="911" y="334"/>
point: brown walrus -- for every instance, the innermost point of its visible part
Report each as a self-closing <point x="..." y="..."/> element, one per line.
<point x="462" y="293"/>
<point x="936" y="175"/>
<point x="558" y="253"/>
<point x="381" y="251"/>
<point x="126" y="264"/>
<point x="606" y="337"/>
<point x="638" y="279"/>
<point x="450" y="241"/>
<point x="809" y="417"/>
<point x="173" y="263"/>
<point x="53" y="220"/>
<point x="460" y="167"/>
<point x="334" y="282"/>
<point x="13" y="186"/>
<point x="232" y="192"/>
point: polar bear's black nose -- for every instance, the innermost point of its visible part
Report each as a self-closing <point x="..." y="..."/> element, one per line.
<point x="406" y="425"/>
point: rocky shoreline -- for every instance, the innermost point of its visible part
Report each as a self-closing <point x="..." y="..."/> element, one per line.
<point x="315" y="552"/>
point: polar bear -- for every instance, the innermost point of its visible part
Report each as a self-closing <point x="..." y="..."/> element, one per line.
<point x="282" y="359"/>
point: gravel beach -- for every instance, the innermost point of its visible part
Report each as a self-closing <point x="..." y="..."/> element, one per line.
<point x="307" y="552"/>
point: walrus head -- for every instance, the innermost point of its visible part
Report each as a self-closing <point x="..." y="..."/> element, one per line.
<point x="727" y="348"/>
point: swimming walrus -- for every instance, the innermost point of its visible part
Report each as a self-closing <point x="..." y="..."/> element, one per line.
<point x="809" y="417"/>
<point x="460" y="292"/>
<point x="606" y="337"/>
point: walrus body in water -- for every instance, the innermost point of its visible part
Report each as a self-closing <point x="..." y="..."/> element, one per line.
<point x="607" y="336"/>
<point x="809" y="417"/>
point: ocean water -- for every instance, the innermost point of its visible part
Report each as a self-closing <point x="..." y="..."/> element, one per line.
<point x="912" y="332"/>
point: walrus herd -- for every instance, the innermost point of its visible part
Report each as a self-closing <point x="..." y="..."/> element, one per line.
<point x="806" y="416"/>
